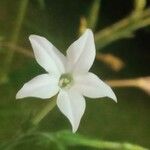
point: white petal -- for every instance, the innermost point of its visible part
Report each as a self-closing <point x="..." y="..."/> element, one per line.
<point x="81" y="53"/>
<point x="51" y="59"/>
<point x="42" y="86"/>
<point x="91" y="86"/>
<point x="72" y="105"/>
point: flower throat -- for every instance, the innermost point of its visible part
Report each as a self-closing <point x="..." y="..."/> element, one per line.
<point x="65" y="80"/>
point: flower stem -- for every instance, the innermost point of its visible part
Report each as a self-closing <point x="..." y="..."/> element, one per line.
<point x="49" y="106"/>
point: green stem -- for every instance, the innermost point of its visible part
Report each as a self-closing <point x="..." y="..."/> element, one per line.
<point x="111" y="145"/>
<point x="93" y="14"/>
<point x="15" y="33"/>
<point x="51" y="104"/>
<point x="122" y="29"/>
<point x="139" y="6"/>
<point x="70" y="139"/>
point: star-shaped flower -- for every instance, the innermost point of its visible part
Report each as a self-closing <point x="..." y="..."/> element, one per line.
<point x="68" y="76"/>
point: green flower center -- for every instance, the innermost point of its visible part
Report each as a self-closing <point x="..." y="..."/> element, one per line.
<point x="65" y="81"/>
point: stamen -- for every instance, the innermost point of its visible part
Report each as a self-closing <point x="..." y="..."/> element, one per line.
<point x="65" y="80"/>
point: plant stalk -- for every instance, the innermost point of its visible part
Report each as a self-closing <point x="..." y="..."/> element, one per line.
<point x="50" y="105"/>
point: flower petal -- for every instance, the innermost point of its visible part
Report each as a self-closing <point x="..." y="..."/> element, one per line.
<point x="51" y="59"/>
<point x="91" y="86"/>
<point x="42" y="86"/>
<point x="72" y="105"/>
<point x="81" y="53"/>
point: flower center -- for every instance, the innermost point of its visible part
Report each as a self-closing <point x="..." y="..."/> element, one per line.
<point x="65" y="81"/>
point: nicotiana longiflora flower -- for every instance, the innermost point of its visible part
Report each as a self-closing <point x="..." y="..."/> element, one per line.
<point x="68" y="76"/>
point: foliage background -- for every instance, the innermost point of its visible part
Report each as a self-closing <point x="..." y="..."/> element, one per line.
<point x="59" y="21"/>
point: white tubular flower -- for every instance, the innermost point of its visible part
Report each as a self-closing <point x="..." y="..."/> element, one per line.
<point x="68" y="76"/>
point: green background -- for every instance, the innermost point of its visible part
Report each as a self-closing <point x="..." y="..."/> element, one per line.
<point x="58" y="21"/>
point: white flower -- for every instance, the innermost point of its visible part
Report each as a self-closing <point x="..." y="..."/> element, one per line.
<point x="68" y="75"/>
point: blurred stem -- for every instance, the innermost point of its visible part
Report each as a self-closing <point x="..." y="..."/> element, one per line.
<point x="143" y="83"/>
<point x="64" y="139"/>
<point x="113" y="62"/>
<point x="93" y="14"/>
<point x="139" y="6"/>
<point x="91" y="20"/>
<point x="83" y="25"/>
<point x="15" y="33"/>
<point x="17" y="49"/>
<point x="49" y="106"/>
<point x="122" y="29"/>
<point x="109" y="145"/>
<point x="79" y="140"/>
<point x="41" y="4"/>
<point x="123" y="83"/>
